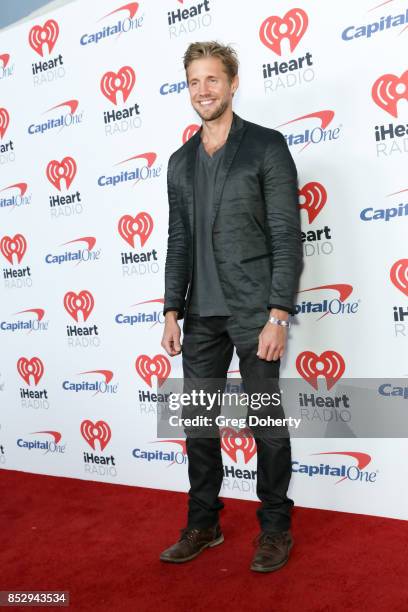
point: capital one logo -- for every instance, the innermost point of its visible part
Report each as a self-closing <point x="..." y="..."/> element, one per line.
<point x="190" y="131"/>
<point x="342" y="289"/>
<point x="141" y="225"/>
<point x="39" y="313"/>
<point x="317" y="134"/>
<point x="131" y="8"/>
<point x="388" y="90"/>
<point x="399" y="275"/>
<point x="22" y="188"/>
<point x="292" y="26"/>
<point x="233" y="441"/>
<point x="28" y="368"/>
<point x="81" y="302"/>
<point x="15" y="246"/>
<point x="65" y="169"/>
<point x="45" y="35"/>
<point x="96" y="431"/>
<point x="4" y="121"/>
<point x="158" y="366"/>
<point x="312" y="198"/>
<point x="123" y="81"/>
<point x="329" y="364"/>
<point x="90" y="242"/>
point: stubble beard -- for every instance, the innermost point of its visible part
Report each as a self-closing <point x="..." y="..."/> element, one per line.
<point x="216" y="113"/>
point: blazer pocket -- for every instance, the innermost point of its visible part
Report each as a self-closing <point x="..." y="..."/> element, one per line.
<point x="248" y="259"/>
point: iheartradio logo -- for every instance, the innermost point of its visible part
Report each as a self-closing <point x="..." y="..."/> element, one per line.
<point x="82" y="302"/>
<point x="27" y="368"/>
<point x="141" y="225"/>
<point x="45" y="35"/>
<point x="158" y="366"/>
<point x="65" y="169"/>
<point x="399" y="275"/>
<point x="233" y="441"/>
<point x="4" y="121"/>
<point x="388" y="90"/>
<point x="312" y="198"/>
<point x="123" y="81"/>
<point x="190" y="131"/>
<point x="329" y="364"/>
<point x="292" y="26"/>
<point x="16" y="246"/>
<point x="96" y="431"/>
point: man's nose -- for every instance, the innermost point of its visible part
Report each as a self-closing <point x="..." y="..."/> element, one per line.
<point x="203" y="89"/>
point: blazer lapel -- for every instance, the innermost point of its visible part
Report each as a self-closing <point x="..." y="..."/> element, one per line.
<point x="191" y="153"/>
<point x="233" y="141"/>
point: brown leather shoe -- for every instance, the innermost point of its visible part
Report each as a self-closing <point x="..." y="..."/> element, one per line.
<point x="191" y="543"/>
<point x="272" y="551"/>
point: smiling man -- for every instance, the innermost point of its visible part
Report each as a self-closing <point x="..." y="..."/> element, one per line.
<point x="233" y="262"/>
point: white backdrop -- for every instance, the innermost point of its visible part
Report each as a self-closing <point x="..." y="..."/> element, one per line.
<point x="96" y="90"/>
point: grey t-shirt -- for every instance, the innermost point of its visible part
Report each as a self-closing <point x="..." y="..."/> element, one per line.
<point x="207" y="298"/>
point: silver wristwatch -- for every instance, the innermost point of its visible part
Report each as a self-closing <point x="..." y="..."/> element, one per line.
<point x="279" y="322"/>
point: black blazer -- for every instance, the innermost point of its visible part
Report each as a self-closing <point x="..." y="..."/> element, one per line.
<point x="256" y="224"/>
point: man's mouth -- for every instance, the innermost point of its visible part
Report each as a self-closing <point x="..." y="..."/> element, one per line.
<point x="206" y="102"/>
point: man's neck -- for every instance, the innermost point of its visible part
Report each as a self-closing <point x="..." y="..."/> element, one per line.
<point x="215" y="133"/>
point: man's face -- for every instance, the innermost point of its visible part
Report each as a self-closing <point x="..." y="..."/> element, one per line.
<point x="210" y="90"/>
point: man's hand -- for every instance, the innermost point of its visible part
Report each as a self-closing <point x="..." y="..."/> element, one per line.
<point x="171" y="335"/>
<point x="272" y="339"/>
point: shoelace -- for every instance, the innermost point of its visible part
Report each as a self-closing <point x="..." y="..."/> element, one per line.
<point x="266" y="539"/>
<point x="189" y="534"/>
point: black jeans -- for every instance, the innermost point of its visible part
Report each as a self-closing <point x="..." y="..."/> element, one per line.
<point x="207" y="351"/>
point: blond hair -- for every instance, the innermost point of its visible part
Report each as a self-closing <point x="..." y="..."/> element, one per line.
<point x="225" y="53"/>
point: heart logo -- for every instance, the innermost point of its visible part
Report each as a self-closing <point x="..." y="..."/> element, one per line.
<point x="190" y="131"/>
<point x="65" y="169"/>
<point x="388" y="90"/>
<point x="233" y="440"/>
<point x="329" y="364"/>
<point x="399" y="275"/>
<point x="292" y="26"/>
<point x="83" y="301"/>
<point x="158" y="366"/>
<point x="4" y="121"/>
<point x="124" y="81"/>
<point x="141" y="225"/>
<point x="13" y="246"/>
<point x="96" y="431"/>
<point x="30" y="367"/>
<point x="47" y="34"/>
<point x="312" y="198"/>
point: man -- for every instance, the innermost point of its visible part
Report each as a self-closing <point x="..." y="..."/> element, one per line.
<point x="233" y="262"/>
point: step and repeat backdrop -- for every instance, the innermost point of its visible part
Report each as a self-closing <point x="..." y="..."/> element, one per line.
<point x="93" y="100"/>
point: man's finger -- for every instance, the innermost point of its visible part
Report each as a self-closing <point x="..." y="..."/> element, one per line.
<point x="177" y="345"/>
<point x="271" y="352"/>
<point x="259" y="351"/>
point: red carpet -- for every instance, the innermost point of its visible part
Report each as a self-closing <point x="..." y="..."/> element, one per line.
<point x="102" y="542"/>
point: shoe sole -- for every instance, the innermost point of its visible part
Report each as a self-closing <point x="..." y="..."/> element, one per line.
<point x="185" y="559"/>
<point x="271" y="568"/>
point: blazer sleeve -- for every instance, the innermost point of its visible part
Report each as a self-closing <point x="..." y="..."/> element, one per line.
<point x="283" y="220"/>
<point x="176" y="268"/>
